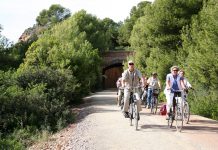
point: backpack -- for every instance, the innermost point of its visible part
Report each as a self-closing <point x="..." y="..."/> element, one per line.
<point x="163" y="110"/>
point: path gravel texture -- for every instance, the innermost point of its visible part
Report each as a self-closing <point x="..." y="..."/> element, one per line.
<point x="102" y="126"/>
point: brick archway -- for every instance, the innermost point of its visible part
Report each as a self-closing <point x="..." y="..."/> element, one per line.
<point x="111" y="74"/>
<point x="113" y="67"/>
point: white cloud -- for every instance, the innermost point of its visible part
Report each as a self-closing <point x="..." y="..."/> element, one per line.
<point x="18" y="15"/>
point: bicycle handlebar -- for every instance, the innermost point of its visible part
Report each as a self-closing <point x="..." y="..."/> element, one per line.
<point x="129" y="87"/>
<point x="176" y="90"/>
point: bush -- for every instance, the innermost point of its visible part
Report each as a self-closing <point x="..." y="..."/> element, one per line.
<point x="204" y="103"/>
<point x="10" y="144"/>
<point x="35" y="99"/>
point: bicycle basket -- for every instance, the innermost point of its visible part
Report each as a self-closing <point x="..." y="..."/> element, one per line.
<point x="156" y="91"/>
<point x="163" y="110"/>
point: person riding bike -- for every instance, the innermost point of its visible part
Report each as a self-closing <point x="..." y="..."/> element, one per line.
<point x="153" y="84"/>
<point x="173" y="82"/>
<point x="186" y="83"/>
<point x="120" y="90"/>
<point x="144" y="91"/>
<point x="131" y="78"/>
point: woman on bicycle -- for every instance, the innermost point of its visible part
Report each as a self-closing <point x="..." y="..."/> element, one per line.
<point x="173" y="82"/>
<point x="153" y="84"/>
<point x="186" y="83"/>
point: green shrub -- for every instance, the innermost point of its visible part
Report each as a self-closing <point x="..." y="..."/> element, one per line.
<point x="10" y="144"/>
<point x="204" y="103"/>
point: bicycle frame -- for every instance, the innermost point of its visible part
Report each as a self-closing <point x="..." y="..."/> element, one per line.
<point x="176" y="110"/>
<point x="122" y="98"/>
<point x="154" y="100"/>
<point x="133" y="109"/>
<point x="186" y="107"/>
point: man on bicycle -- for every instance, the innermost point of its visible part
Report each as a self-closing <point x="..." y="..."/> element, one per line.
<point x="131" y="78"/>
<point x="173" y="82"/>
<point x="153" y="84"/>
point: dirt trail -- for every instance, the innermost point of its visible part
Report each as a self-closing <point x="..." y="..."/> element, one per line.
<point x="103" y="127"/>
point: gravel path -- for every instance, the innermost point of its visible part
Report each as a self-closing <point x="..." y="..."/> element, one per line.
<point x="101" y="126"/>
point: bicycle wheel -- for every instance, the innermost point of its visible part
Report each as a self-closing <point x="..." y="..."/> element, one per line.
<point x="131" y="113"/>
<point x="122" y="103"/>
<point x="186" y="112"/>
<point x="152" y="105"/>
<point x="179" y="117"/>
<point x="170" y="120"/>
<point x="155" y="104"/>
<point x="136" y="115"/>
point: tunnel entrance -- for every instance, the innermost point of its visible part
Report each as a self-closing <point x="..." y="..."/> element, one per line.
<point x="111" y="74"/>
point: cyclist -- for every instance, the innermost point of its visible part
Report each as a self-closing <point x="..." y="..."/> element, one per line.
<point x="120" y="90"/>
<point x="173" y="82"/>
<point x="144" y="91"/>
<point x="153" y="84"/>
<point x="131" y="78"/>
<point x="186" y="83"/>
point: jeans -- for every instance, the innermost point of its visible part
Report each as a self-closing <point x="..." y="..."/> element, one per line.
<point x="150" y="92"/>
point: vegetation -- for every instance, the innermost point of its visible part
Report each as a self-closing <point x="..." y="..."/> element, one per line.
<point x="181" y="33"/>
<point x="56" y="13"/>
<point x="199" y="58"/>
<point x="59" y="68"/>
<point x="126" y="27"/>
<point x="40" y="78"/>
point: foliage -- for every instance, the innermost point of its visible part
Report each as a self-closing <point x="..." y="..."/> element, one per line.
<point x="156" y="36"/>
<point x="65" y="46"/>
<point x="6" y="59"/>
<point x="111" y="28"/>
<point x="200" y="59"/>
<point x="36" y="99"/>
<point x="181" y="33"/>
<point x="54" y="14"/>
<point x="161" y="25"/>
<point x="63" y="63"/>
<point x="126" y="28"/>
<point x="98" y="32"/>
<point x="10" y="144"/>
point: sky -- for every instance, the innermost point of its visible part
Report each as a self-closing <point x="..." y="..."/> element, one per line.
<point x="18" y="15"/>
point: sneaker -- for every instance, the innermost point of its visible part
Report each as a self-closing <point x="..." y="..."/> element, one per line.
<point x="149" y="106"/>
<point x="179" y="117"/>
<point x="167" y="117"/>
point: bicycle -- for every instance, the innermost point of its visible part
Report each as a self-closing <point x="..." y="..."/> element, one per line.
<point x="122" y="98"/>
<point x="186" y="106"/>
<point x="176" y="111"/>
<point x="133" y="109"/>
<point x="144" y="96"/>
<point x="186" y="112"/>
<point x="154" y="101"/>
